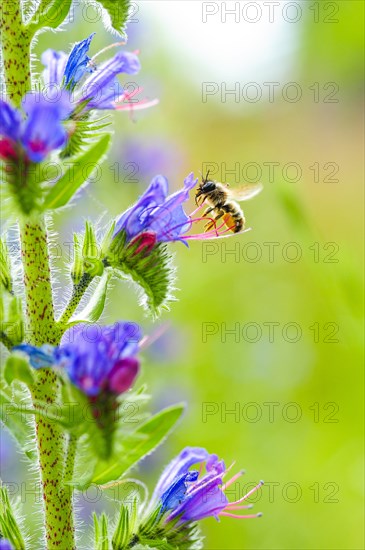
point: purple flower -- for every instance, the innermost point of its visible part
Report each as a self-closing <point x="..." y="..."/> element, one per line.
<point x="157" y="213"/>
<point x="188" y="495"/>
<point x="5" y="544"/>
<point x="44" y="131"/>
<point x="101" y="90"/>
<point x="101" y="359"/>
<point x="96" y="359"/>
<point x="55" y="63"/>
<point x="37" y="129"/>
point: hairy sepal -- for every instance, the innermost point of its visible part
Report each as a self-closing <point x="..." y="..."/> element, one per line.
<point x="151" y="270"/>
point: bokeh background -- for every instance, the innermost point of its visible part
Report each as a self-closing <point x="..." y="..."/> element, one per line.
<point x="297" y="392"/>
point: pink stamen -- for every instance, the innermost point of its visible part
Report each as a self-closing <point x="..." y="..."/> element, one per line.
<point x="115" y="45"/>
<point x="155" y="335"/>
<point x="203" y="236"/>
<point x="126" y="97"/>
<point x="144" y="104"/>
<point x="239" y="507"/>
<point x="233" y="479"/>
<point x="196" y="210"/>
<point x="237" y="516"/>
<point x="249" y="493"/>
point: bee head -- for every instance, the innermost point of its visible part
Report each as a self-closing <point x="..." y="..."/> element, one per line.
<point x="207" y="186"/>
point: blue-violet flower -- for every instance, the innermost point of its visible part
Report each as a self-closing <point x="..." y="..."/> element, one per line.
<point x="189" y="495"/>
<point x="98" y="360"/>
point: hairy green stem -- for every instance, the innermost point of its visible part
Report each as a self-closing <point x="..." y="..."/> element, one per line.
<point x="41" y="328"/>
<point x="40" y="324"/>
<point x="70" y="458"/>
<point x="15" y="40"/>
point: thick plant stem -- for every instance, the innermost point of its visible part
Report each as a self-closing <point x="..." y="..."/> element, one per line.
<point x="41" y="328"/>
<point x="57" y="497"/>
<point x="15" y="39"/>
<point x="40" y="323"/>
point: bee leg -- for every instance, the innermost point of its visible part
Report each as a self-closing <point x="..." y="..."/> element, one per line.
<point x="208" y="211"/>
<point x="208" y="226"/>
<point x="212" y="224"/>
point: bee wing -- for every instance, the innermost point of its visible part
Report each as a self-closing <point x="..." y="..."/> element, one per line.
<point x="245" y="191"/>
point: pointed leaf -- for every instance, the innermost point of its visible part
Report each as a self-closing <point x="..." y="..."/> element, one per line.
<point x="50" y="13"/>
<point x="76" y="175"/>
<point x="9" y="527"/>
<point x="95" y="307"/>
<point x="117" y="11"/>
<point x="16" y="423"/>
<point x="139" y="444"/>
<point x="17" y="368"/>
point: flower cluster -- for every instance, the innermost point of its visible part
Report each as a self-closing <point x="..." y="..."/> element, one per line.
<point x="34" y="130"/>
<point x="98" y="360"/>
<point x="40" y="126"/>
<point x="101" y="89"/>
<point x="189" y="495"/>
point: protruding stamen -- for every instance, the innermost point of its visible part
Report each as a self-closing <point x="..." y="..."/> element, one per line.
<point x="249" y="493"/>
<point x="239" y="507"/>
<point x="237" y="516"/>
<point x="233" y="479"/>
<point x="155" y="335"/>
<point x="115" y="45"/>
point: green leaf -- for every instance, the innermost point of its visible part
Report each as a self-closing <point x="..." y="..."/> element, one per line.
<point x="137" y="445"/>
<point x="17" y="368"/>
<point x="9" y="527"/>
<point x="5" y="267"/>
<point x="118" y="11"/>
<point x="126" y="526"/>
<point x="101" y="532"/>
<point x="84" y="131"/>
<point x="92" y="263"/>
<point x="92" y="312"/>
<point x="16" y="423"/>
<point x="50" y="14"/>
<point x="64" y="189"/>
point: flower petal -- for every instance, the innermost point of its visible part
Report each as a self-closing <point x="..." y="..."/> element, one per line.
<point x="98" y="84"/>
<point x="42" y="132"/>
<point x="10" y="121"/>
<point x="77" y="62"/>
<point x="180" y="465"/>
<point x="55" y="63"/>
<point x="135" y="219"/>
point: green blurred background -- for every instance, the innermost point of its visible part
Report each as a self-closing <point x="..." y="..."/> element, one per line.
<point x="299" y="404"/>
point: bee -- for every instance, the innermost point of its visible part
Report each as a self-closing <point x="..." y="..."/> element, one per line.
<point x="222" y="201"/>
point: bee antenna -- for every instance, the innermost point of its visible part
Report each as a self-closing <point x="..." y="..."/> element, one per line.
<point x="206" y="177"/>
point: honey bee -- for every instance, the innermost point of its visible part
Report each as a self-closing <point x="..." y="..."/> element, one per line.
<point x="222" y="201"/>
